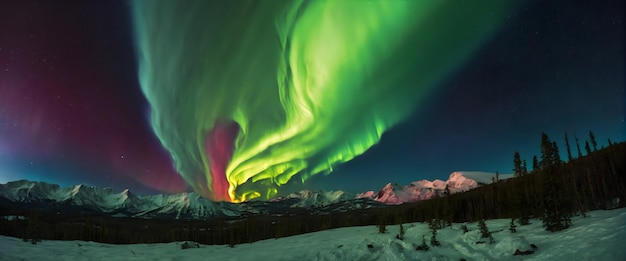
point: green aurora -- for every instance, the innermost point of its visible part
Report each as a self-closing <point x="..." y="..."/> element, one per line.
<point x="250" y="95"/>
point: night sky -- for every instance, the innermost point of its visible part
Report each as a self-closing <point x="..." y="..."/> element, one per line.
<point x="72" y="108"/>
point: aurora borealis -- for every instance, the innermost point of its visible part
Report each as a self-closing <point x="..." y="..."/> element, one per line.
<point x="307" y="85"/>
<point x="244" y="99"/>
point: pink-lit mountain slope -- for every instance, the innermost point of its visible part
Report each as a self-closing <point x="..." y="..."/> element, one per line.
<point x="458" y="181"/>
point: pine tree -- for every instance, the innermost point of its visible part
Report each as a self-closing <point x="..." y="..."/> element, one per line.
<point x="32" y="230"/>
<point x="592" y="138"/>
<point x="569" y="151"/>
<point x="524" y="169"/>
<point x="578" y="147"/>
<point x="512" y="226"/>
<point x="547" y="154"/>
<point x="555" y="205"/>
<point x="535" y="163"/>
<point x="556" y="157"/>
<point x="484" y="231"/>
<point x="517" y="165"/>
<point x="433" y="239"/>
<point x="587" y="148"/>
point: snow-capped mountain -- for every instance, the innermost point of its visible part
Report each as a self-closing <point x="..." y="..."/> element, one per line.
<point x="187" y="205"/>
<point x="458" y="181"/>
<point x="193" y="206"/>
<point x="308" y="198"/>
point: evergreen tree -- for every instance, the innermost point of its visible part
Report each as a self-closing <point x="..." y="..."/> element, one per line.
<point x="33" y="229"/>
<point x="569" y="151"/>
<point x="592" y="138"/>
<point x="535" y="163"/>
<point x="524" y="169"/>
<point x="433" y="239"/>
<point x="556" y="158"/>
<point x="587" y="148"/>
<point x="547" y="154"/>
<point x="512" y="226"/>
<point x="555" y="203"/>
<point x="578" y="147"/>
<point x="517" y="165"/>
<point x="484" y="231"/>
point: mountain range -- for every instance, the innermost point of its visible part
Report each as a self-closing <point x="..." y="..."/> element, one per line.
<point x="83" y="199"/>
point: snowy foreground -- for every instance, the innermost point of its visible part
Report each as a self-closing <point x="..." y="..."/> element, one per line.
<point x="600" y="236"/>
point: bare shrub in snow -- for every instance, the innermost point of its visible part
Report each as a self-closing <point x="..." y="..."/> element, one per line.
<point x="423" y="246"/>
<point x="382" y="228"/>
<point x="436" y="224"/>
<point x="524" y="220"/>
<point x="401" y="234"/>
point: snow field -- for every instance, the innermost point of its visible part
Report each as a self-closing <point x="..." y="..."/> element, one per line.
<point x="600" y="236"/>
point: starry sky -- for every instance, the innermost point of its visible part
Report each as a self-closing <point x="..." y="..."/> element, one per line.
<point x="73" y="108"/>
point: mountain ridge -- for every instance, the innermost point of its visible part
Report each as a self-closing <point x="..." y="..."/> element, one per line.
<point x="191" y="205"/>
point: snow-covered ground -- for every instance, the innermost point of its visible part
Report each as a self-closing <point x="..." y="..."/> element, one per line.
<point x="600" y="236"/>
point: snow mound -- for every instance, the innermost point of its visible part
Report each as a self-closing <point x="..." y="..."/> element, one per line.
<point x="509" y="245"/>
